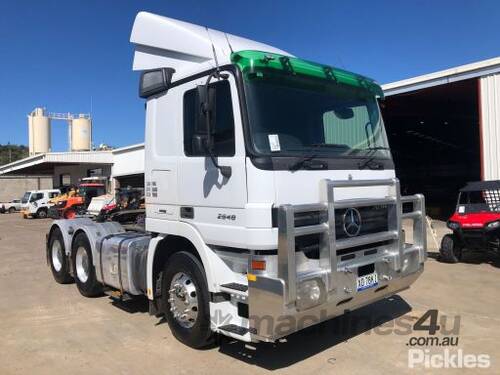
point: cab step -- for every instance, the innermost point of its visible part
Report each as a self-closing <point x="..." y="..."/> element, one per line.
<point x="238" y="291"/>
<point x="234" y="329"/>
<point x="117" y="295"/>
<point x="235" y="286"/>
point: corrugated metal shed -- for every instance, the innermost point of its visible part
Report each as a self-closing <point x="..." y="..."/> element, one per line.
<point x="490" y="125"/>
<point x="459" y="73"/>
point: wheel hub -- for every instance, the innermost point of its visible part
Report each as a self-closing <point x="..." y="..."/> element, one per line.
<point x="82" y="264"/>
<point x="183" y="299"/>
<point x="57" y="256"/>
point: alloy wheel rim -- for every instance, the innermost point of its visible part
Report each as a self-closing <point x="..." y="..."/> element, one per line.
<point x="183" y="300"/>
<point x="57" y="258"/>
<point x="82" y="264"/>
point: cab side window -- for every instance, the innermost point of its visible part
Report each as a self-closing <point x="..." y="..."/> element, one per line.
<point x="223" y="125"/>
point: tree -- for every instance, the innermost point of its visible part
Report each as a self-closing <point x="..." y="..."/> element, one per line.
<point x="10" y="153"/>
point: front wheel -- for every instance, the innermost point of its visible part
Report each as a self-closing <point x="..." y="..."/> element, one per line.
<point x="451" y="249"/>
<point x="186" y="300"/>
<point x="83" y="266"/>
<point x="12" y="210"/>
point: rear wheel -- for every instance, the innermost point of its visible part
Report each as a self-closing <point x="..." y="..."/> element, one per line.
<point x="451" y="249"/>
<point x="83" y="266"/>
<point x="186" y="300"/>
<point x="58" y="259"/>
<point x="12" y="210"/>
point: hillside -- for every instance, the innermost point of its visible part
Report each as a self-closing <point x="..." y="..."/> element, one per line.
<point x="10" y="153"/>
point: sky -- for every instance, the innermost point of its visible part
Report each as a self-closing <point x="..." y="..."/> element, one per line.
<point x="75" y="56"/>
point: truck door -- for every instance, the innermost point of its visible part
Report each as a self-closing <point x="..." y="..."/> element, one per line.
<point x="211" y="202"/>
<point x="218" y="202"/>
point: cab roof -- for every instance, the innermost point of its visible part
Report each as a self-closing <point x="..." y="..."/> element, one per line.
<point x="163" y="42"/>
<point x="481" y="185"/>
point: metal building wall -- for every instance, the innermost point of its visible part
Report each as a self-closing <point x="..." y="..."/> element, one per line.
<point x="490" y="126"/>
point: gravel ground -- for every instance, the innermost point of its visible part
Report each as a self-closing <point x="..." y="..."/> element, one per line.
<point x="49" y="328"/>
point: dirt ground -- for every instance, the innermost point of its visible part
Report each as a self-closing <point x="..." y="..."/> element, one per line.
<point x="47" y="328"/>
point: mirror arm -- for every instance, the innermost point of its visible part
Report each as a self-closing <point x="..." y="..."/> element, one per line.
<point x="226" y="171"/>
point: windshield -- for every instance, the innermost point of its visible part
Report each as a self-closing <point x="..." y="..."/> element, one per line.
<point x="479" y="201"/>
<point x="89" y="192"/>
<point x="296" y="115"/>
<point x="26" y="197"/>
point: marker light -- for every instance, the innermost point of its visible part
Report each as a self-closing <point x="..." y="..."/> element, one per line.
<point x="258" y="265"/>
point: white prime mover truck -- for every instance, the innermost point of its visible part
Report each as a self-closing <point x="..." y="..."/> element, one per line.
<point x="271" y="196"/>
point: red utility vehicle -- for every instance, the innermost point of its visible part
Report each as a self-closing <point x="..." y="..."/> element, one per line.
<point x="476" y="221"/>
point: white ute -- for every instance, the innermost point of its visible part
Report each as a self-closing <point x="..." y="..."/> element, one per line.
<point x="10" y="207"/>
<point x="270" y="193"/>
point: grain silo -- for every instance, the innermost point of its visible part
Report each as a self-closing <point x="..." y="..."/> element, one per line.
<point x="39" y="131"/>
<point x="81" y="133"/>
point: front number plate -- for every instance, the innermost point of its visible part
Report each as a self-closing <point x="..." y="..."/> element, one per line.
<point x="367" y="281"/>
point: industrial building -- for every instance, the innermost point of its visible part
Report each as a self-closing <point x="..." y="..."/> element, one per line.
<point x="124" y="166"/>
<point x="443" y="128"/>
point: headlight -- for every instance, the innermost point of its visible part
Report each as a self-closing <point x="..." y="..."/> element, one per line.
<point x="493" y="225"/>
<point x="61" y="203"/>
<point x="453" y="225"/>
<point x="310" y="293"/>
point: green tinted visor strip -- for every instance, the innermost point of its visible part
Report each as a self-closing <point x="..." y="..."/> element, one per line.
<point x="251" y="61"/>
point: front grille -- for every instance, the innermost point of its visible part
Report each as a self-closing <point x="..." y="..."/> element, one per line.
<point x="374" y="219"/>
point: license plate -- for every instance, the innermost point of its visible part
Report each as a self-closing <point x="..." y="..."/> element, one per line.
<point x="367" y="281"/>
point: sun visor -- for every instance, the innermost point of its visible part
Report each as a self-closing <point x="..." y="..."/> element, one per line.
<point x="164" y="42"/>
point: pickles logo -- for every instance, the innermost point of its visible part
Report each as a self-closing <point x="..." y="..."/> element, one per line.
<point x="439" y="347"/>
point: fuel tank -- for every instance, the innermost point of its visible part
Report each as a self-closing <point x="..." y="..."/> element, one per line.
<point x="122" y="261"/>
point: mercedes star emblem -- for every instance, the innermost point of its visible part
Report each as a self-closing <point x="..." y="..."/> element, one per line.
<point x="352" y="222"/>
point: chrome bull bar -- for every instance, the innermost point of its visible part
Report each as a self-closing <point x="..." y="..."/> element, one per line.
<point x="329" y="245"/>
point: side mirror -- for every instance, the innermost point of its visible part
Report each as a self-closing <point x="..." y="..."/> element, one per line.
<point x="155" y="81"/>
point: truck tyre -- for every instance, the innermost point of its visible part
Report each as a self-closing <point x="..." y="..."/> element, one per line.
<point x="451" y="250"/>
<point x="41" y="213"/>
<point x="58" y="259"/>
<point x="12" y="210"/>
<point x="186" y="301"/>
<point x="83" y="267"/>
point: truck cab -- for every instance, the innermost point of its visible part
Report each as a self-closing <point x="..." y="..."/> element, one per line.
<point x="270" y="192"/>
<point x="36" y="203"/>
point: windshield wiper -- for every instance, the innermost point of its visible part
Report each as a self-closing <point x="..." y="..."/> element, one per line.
<point x="308" y="157"/>
<point x="370" y="161"/>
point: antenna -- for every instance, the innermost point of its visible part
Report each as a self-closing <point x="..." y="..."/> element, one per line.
<point x="229" y="43"/>
<point x="213" y="49"/>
